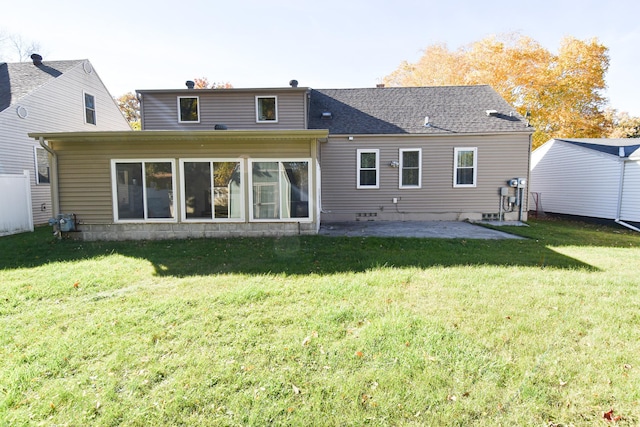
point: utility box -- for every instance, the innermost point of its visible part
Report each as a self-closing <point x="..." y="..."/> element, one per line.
<point x="64" y="222"/>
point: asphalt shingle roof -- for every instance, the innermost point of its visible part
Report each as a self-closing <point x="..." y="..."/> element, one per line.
<point x="21" y="78"/>
<point x="402" y="110"/>
<point x="608" y="146"/>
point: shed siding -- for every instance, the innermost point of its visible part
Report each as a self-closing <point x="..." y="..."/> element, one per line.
<point x="500" y="158"/>
<point x="55" y="107"/>
<point x="85" y="166"/>
<point x="575" y="180"/>
<point x="630" y="207"/>
<point x="235" y="109"/>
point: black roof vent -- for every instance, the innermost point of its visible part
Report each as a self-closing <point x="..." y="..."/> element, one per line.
<point x="190" y="84"/>
<point x="37" y="59"/>
<point x="293" y="83"/>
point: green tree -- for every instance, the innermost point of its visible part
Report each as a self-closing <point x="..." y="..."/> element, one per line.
<point x="562" y="93"/>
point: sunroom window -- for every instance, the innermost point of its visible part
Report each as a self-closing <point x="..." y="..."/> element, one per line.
<point x="144" y="190"/>
<point x="280" y="190"/>
<point x="212" y="190"/>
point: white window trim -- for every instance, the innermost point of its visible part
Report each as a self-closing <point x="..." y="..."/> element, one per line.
<point x="183" y="201"/>
<point x="456" y="150"/>
<point x="408" y="150"/>
<point x="358" y="168"/>
<point x="84" y="110"/>
<point x="311" y="190"/>
<point x="35" y="159"/>
<point x="258" y="97"/>
<point x="179" y="111"/>
<point x="114" y="191"/>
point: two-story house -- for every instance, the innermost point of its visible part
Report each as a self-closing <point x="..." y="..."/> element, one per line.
<point x="276" y="161"/>
<point x="48" y="96"/>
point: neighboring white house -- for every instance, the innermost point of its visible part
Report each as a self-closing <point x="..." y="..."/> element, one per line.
<point x="597" y="178"/>
<point x="49" y="96"/>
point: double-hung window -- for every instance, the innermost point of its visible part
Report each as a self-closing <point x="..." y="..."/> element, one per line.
<point x="368" y="164"/>
<point x="212" y="190"/>
<point x="89" y="109"/>
<point x="42" y="166"/>
<point x="410" y="168"/>
<point x="266" y="109"/>
<point x="188" y="109"/>
<point x="280" y="189"/>
<point x="143" y="190"/>
<point x="465" y="167"/>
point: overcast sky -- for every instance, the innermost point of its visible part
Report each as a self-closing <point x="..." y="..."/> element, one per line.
<point x="160" y="44"/>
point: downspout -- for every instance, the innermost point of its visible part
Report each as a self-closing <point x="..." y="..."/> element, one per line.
<point x="623" y="161"/>
<point x="55" y="199"/>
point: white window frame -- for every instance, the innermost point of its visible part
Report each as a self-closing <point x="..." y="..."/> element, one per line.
<point x="84" y="104"/>
<point x="457" y="150"/>
<point x="197" y="98"/>
<point x="359" y="168"/>
<point x="35" y="159"/>
<point x="258" y="98"/>
<point x="311" y="189"/>
<point x="401" y="167"/>
<point x="114" y="191"/>
<point x="183" y="202"/>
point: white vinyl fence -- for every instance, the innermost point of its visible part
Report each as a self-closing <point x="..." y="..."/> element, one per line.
<point x="15" y="204"/>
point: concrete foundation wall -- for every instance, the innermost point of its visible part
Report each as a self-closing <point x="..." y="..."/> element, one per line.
<point x="90" y="232"/>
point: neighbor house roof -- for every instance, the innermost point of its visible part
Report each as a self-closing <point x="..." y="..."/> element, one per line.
<point x="403" y="110"/>
<point x="21" y="78"/>
<point x="607" y="145"/>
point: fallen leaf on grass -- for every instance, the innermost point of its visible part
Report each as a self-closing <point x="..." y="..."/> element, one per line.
<point x="610" y="417"/>
<point x="296" y="390"/>
<point x="76" y="284"/>
<point x="359" y="354"/>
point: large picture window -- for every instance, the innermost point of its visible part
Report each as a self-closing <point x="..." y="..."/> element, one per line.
<point x="368" y="164"/>
<point x="143" y="190"/>
<point x="410" y="168"/>
<point x="212" y="190"/>
<point x="280" y="190"/>
<point x="465" y="168"/>
<point x="188" y="109"/>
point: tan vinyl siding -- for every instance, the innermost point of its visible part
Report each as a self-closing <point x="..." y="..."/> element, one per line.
<point x="500" y="158"/>
<point x="235" y="109"/>
<point x="55" y="107"/>
<point x="85" y="165"/>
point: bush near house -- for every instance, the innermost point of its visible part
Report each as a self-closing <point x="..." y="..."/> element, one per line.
<point x="323" y="331"/>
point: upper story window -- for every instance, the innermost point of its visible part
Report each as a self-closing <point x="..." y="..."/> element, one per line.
<point x="89" y="109"/>
<point x="410" y="168"/>
<point x="368" y="169"/>
<point x="266" y="109"/>
<point x="465" y="170"/>
<point x="188" y="109"/>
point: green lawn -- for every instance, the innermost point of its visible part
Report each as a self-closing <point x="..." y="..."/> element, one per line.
<point x="323" y="331"/>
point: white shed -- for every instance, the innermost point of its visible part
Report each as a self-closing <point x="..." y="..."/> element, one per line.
<point x="593" y="177"/>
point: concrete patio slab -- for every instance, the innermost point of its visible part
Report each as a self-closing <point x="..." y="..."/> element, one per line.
<point x="434" y="229"/>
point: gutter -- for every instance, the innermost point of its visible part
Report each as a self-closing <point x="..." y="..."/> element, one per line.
<point x="623" y="161"/>
<point x="55" y="199"/>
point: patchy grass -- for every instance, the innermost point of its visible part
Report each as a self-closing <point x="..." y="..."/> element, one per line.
<point x="323" y="331"/>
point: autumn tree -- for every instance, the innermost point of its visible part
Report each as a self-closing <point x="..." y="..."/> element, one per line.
<point x="622" y="124"/>
<point x="203" y="83"/>
<point x="130" y="108"/>
<point x="561" y="93"/>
